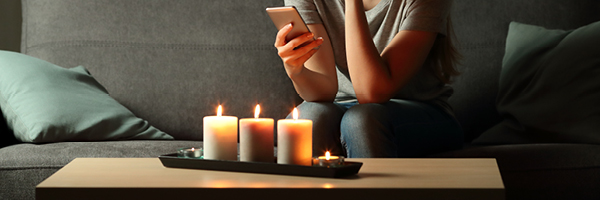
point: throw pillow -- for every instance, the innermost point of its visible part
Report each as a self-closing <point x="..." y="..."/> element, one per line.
<point x="549" y="87"/>
<point x="45" y="103"/>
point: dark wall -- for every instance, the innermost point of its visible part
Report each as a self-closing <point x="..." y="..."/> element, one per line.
<point x="10" y="39"/>
<point x="10" y="25"/>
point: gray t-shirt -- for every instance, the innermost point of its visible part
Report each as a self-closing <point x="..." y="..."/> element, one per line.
<point x="385" y="20"/>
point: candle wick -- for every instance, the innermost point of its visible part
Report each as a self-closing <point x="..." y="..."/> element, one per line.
<point x="219" y="111"/>
<point x="256" y="111"/>
<point x="295" y="114"/>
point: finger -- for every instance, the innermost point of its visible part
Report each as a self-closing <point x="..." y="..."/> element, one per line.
<point x="281" y="34"/>
<point x="311" y="45"/>
<point x="305" y="57"/>
<point x="287" y="51"/>
<point x="294" y="43"/>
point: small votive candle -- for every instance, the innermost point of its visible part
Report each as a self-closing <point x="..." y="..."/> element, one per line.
<point x="328" y="161"/>
<point x="189" y="152"/>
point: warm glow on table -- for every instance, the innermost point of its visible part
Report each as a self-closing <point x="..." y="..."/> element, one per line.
<point x="147" y="178"/>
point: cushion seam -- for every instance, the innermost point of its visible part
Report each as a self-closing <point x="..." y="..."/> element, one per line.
<point x="108" y="43"/>
<point x="33" y="167"/>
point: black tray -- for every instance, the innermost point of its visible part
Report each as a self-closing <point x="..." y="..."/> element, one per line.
<point x="349" y="168"/>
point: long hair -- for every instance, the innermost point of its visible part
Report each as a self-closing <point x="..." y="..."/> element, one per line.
<point x="445" y="55"/>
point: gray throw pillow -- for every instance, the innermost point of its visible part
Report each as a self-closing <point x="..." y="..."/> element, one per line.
<point x="45" y="103"/>
<point x="549" y="87"/>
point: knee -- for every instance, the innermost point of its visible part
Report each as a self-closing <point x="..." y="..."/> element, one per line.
<point x="319" y="111"/>
<point x="363" y="113"/>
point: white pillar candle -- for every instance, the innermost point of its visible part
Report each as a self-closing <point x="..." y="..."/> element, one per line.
<point x="294" y="141"/>
<point x="256" y="138"/>
<point x="220" y="137"/>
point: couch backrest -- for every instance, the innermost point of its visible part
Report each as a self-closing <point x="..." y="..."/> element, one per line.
<point x="481" y="27"/>
<point x="170" y="62"/>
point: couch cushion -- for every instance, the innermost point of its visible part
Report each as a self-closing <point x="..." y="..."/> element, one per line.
<point x="59" y="154"/>
<point x="169" y="62"/>
<point x="547" y="88"/>
<point x="481" y="28"/>
<point x="543" y="171"/>
<point x="24" y="166"/>
<point x="45" y="103"/>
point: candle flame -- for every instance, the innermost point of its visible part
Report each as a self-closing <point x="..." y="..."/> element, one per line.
<point x="219" y="111"/>
<point x="192" y="148"/>
<point x="256" y="111"/>
<point x="295" y="113"/>
<point x="327" y="155"/>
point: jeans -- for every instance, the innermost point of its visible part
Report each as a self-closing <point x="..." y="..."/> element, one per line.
<point x="397" y="128"/>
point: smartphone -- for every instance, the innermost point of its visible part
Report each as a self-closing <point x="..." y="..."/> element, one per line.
<point x="282" y="16"/>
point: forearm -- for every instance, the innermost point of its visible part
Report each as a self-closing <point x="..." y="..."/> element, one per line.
<point x="311" y="67"/>
<point x="316" y="79"/>
<point x="313" y="86"/>
<point x="370" y="74"/>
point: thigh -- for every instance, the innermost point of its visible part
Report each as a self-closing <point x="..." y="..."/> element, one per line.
<point x="421" y="129"/>
<point x="399" y="128"/>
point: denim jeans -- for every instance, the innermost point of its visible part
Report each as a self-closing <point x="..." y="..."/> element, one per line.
<point x="397" y="128"/>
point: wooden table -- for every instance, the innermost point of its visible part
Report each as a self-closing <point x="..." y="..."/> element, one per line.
<point x="147" y="178"/>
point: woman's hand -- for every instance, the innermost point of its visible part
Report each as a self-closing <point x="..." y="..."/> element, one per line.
<point x="297" y="51"/>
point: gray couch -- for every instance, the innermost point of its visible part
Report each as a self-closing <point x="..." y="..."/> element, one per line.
<point x="172" y="62"/>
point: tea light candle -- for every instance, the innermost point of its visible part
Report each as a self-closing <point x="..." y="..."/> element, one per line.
<point x="256" y="138"/>
<point x="328" y="160"/>
<point x="220" y="136"/>
<point x="294" y="140"/>
<point x="189" y="152"/>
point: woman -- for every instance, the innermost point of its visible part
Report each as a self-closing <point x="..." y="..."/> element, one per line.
<point x="375" y="79"/>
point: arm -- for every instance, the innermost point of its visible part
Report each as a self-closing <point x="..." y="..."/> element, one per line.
<point x="376" y="78"/>
<point x="312" y="71"/>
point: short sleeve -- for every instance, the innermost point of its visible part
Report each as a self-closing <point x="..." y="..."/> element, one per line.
<point x="307" y="10"/>
<point x="427" y="15"/>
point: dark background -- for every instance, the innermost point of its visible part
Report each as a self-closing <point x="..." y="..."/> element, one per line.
<point x="10" y="25"/>
<point x="10" y="39"/>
